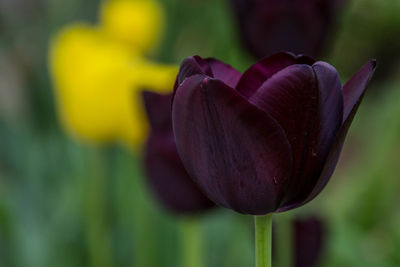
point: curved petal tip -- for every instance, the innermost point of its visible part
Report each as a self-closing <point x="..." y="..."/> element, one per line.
<point x="354" y="89"/>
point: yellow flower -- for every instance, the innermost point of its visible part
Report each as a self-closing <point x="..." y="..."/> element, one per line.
<point x="137" y="23"/>
<point x="99" y="72"/>
<point x="98" y="83"/>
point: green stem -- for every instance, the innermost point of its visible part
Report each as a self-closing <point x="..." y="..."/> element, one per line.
<point x="263" y="239"/>
<point x="284" y="242"/>
<point x="191" y="243"/>
<point x="96" y="218"/>
<point x="144" y="226"/>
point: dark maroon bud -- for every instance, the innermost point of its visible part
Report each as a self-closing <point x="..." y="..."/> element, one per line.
<point x="167" y="176"/>
<point x="268" y="140"/>
<point x="309" y="237"/>
<point x="270" y="26"/>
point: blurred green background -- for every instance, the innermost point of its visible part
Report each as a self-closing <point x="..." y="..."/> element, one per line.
<point x="64" y="203"/>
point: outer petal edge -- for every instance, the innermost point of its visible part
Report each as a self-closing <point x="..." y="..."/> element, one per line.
<point x="363" y="76"/>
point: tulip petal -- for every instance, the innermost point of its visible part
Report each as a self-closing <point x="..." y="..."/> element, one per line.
<point x="158" y="109"/>
<point x="303" y="59"/>
<point x="307" y="102"/>
<point x="165" y="171"/>
<point x="236" y="153"/>
<point x="257" y="74"/>
<point x="191" y="66"/>
<point x="353" y="92"/>
<point x="211" y="67"/>
<point x="224" y="72"/>
<point x="169" y="179"/>
<point x="355" y="87"/>
<point x="330" y="102"/>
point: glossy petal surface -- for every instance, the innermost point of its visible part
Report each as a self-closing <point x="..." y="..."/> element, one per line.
<point x="211" y="67"/>
<point x="258" y="73"/>
<point x="224" y="72"/>
<point x="307" y="103"/>
<point x="236" y="153"/>
<point x="356" y="86"/>
<point x="192" y="66"/>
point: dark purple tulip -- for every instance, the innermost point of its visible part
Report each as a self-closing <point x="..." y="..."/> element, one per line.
<point x="267" y="140"/>
<point x="308" y="241"/>
<point x="167" y="176"/>
<point x="270" y="26"/>
<point x="309" y="237"/>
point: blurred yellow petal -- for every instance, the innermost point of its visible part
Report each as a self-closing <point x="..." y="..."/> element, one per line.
<point x="98" y="85"/>
<point x="93" y="82"/>
<point x="137" y="23"/>
<point x="147" y="76"/>
<point x="156" y="77"/>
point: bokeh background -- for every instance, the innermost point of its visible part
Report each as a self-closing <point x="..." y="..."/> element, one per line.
<point x="68" y="203"/>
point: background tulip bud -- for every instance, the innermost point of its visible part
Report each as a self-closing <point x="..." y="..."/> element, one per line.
<point x="167" y="176"/>
<point x="299" y="241"/>
<point x="269" y="142"/>
<point x="271" y="26"/>
<point x="309" y="237"/>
